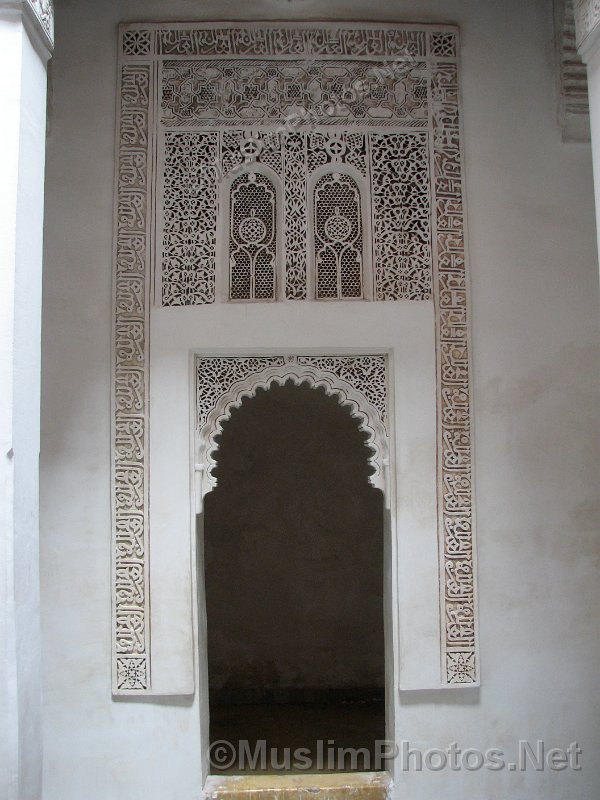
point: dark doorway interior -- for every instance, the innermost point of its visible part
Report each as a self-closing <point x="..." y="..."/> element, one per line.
<point x="293" y="553"/>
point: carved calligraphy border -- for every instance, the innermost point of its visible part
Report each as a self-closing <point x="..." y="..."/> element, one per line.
<point x="131" y="282"/>
<point x="142" y="48"/>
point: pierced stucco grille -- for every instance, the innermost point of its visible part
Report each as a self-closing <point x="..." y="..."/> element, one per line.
<point x="338" y="237"/>
<point x="252" y="238"/>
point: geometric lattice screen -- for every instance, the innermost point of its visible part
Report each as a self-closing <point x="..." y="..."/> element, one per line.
<point x="392" y="169"/>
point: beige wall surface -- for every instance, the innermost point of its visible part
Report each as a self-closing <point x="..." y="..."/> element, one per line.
<point x="23" y="83"/>
<point x="535" y="356"/>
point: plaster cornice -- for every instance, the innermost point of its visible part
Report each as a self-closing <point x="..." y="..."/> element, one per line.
<point x="39" y="13"/>
<point x="587" y="26"/>
<point x="44" y="12"/>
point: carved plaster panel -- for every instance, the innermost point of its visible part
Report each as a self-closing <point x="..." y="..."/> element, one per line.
<point x="394" y="171"/>
<point x="250" y="93"/>
<point x="378" y="102"/>
<point x="189" y="213"/>
<point x="401" y="213"/>
<point x="358" y="382"/>
<point x="131" y="631"/>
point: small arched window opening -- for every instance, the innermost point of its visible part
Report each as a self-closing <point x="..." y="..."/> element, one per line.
<point x="252" y="238"/>
<point x="338" y="238"/>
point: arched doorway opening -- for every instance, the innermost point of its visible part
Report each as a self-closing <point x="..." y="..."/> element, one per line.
<point x="293" y="562"/>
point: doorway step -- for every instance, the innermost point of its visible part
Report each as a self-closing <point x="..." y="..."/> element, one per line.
<point x="322" y="786"/>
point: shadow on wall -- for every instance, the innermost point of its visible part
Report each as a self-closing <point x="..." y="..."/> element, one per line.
<point x="293" y="548"/>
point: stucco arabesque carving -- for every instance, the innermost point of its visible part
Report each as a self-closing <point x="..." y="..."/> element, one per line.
<point x="391" y="94"/>
<point x="260" y="373"/>
<point x="318" y="112"/>
<point x="142" y="46"/>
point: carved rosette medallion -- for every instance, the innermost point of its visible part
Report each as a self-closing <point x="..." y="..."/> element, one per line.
<point x="376" y="105"/>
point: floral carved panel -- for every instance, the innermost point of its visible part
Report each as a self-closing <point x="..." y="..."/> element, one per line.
<point x="189" y="192"/>
<point x="201" y="105"/>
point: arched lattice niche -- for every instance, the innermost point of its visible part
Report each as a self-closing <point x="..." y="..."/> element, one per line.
<point x="359" y="382"/>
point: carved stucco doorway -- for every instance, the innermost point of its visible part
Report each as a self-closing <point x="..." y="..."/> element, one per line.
<point x="394" y="153"/>
<point x="293" y="544"/>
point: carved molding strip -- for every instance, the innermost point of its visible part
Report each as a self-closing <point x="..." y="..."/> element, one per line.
<point x="143" y="48"/>
<point x="44" y="12"/>
<point x="41" y="14"/>
<point x="294" y="218"/>
<point x="359" y="382"/>
<point x="587" y="17"/>
<point x="257" y="40"/>
<point x="459" y="643"/>
<point x="573" y="89"/>
<point x="292" y="41"/>
<point x="131" y="631"/>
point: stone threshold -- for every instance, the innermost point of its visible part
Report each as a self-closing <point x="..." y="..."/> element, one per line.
<point x="315" y="786"/>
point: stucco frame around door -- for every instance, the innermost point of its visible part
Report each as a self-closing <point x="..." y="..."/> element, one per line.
<point x="430" y="55"/>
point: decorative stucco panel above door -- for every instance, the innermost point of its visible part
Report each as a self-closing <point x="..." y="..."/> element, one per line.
<point x="288" y="164"/>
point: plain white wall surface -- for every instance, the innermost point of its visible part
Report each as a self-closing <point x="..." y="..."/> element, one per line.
<point x="405" y="328"/>
<point x="593" y="82"/>
<point x="22" y="143"/>
<point x="535" y="356"/>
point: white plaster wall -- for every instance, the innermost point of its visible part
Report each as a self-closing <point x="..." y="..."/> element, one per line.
<point x="534" y="281"/>
<point x="22" y="144"/>
<point x="593" y="76"/>
<point x="406" y="329"/>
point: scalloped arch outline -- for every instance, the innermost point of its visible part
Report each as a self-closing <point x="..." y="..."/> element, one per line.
<point x="360" y="409"/>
